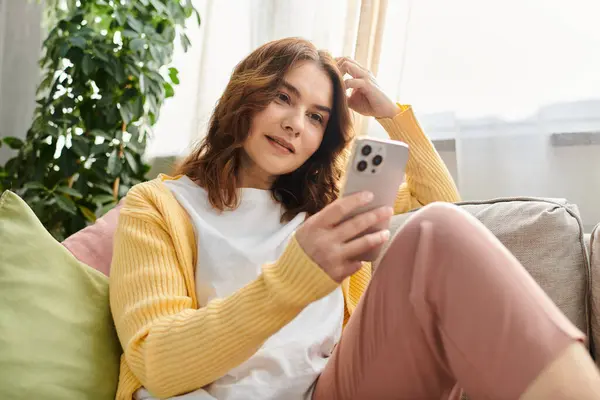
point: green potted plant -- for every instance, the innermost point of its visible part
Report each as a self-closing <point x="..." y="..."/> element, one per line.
<point x="105" y="78"/>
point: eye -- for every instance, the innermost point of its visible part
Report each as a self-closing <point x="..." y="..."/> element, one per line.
<point x="317" y="118"/>
<point x="283" y="97"/>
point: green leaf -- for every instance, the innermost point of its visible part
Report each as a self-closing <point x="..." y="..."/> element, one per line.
<point x="142" y="83"/>
<point x="46" y="83"/>
<point x="135" y="24"/>
<point x="125" y="113"/>
<point x="115" y="68"/>
<point x="138" y="107"/>
<point x="130" y="34"/>
<point x="173" y="74"/>
<point x="70" y="191"/>
<point x="169" y="34"/>
<point x="66" y="204"/>
<point x="63" y="50"/>
<point x="103" y="198"/>
<point x="77" y="41"/>
<point x="34" y="185"/>
<point x="119" y="73"/>
<point x="114" y="164"/>
<point x="103" y="186"/>
<point x="50" y="130"/>
<point x="87" y="32"/>
<point x="152" y="117"/>
<point x="157" y="54"/>
<point x="137" y="44"/>
<point x="101" y="133"/>
<point x="87" y="213"/>
<point x="13" y="142"/>
<point x="185" y="42"/>
<point x="87" y="64"/>
<point x="121" y="17"/>
<point x="131" y="162"/>
<point x="160" y="7"/>
<point x="100" y="55"/>
<point x="123" y="189"/>
<point x="80" y="146"/>
<point x="101" y="148"/>
<point x="152" y="103"/>
<point x="169" y="91"/>
<point x="135" y="146"/>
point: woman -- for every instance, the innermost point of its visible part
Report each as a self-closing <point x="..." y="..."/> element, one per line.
<point x="234" y="280"/>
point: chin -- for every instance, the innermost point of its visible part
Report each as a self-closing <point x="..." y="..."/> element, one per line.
<point x="276" y="167"/>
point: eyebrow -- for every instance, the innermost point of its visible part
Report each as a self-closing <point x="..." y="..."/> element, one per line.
<point x="296" y="93"/>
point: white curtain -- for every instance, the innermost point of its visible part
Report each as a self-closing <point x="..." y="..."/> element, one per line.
<point x="490" y="80"/>
<point x="496" y="79"/>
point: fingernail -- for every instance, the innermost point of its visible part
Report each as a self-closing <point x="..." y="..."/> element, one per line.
<point x="367" y="197"/>
<point x="389" y="211"/>
<point x="385" y="235"/>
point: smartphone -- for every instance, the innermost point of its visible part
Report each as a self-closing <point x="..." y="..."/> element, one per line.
<point x="377" y="166"/>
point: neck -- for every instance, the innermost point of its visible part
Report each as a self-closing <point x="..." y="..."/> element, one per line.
<point x="251" y="176"/>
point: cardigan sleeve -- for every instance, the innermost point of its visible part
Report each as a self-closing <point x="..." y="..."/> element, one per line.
<point x="427" y="177"/>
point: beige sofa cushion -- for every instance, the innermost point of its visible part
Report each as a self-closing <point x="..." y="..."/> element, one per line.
<point x="546" y="236"/>
<point x="595" y="268"/>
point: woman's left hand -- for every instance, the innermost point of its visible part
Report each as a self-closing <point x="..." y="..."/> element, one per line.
<point x="366" y="98"/>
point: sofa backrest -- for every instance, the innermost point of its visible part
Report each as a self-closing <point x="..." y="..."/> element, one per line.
<point x="546" y="236"/>
<point x="595" y="290"/>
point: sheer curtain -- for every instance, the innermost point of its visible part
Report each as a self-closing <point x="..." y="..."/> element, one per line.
<point x="508" y="90"/>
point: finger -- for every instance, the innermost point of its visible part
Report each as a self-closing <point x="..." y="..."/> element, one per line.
<point x="366" y="71"/>
<point x="355" y="83"/>
<point x="363" y="244"/>
<point x="352" y="69"/>
<point x="340" y="209"/>
<point x="360" y="223"/>
<point x="340" y="60"/>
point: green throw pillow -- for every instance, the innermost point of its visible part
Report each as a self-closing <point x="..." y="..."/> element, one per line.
<point x="57" y="339"/>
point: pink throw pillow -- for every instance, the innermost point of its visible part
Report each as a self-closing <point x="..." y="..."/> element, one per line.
<point x="93" y="245"/>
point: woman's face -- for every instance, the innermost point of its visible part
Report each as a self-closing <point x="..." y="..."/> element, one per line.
<point x="286" y="133"/>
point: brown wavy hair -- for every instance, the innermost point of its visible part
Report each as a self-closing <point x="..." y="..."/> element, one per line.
<point x="215" y="163"/>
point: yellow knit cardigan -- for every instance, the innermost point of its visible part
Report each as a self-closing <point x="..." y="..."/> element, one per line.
<point x="174" y="342"/>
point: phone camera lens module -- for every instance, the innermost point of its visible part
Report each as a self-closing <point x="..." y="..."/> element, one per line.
<point x="366" y="150"/>
<point x="362" y="165"/>
<point x="377" y="160"/>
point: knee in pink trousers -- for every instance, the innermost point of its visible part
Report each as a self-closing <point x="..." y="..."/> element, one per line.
<point x="448" y="306"/>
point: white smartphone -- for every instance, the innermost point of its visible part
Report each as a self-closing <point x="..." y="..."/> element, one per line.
<point x="377" y="166"/>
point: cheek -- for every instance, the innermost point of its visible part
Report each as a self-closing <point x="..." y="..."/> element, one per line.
<point x="265" y="119"/>
<point x="312" y="143"/>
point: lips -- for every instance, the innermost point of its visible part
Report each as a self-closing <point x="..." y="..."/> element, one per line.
<point x="282" y="142"/>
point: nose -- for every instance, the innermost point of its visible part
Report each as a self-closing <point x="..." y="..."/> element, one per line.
<point x="293" y="122"/>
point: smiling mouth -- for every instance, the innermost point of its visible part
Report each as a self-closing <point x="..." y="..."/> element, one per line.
<point x="280" y="143"/>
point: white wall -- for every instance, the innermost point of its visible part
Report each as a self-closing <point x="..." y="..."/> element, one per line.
<point x="20" y="50"/>
<point x="505" y="166"/>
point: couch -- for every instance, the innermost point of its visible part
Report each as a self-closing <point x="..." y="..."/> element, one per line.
<point x="546" y="235"/>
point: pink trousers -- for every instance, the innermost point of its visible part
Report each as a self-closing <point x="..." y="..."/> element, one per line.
<point x="448" y="307"/>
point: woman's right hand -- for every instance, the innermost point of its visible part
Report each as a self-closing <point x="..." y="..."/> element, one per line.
<point x="335" y="245"/>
